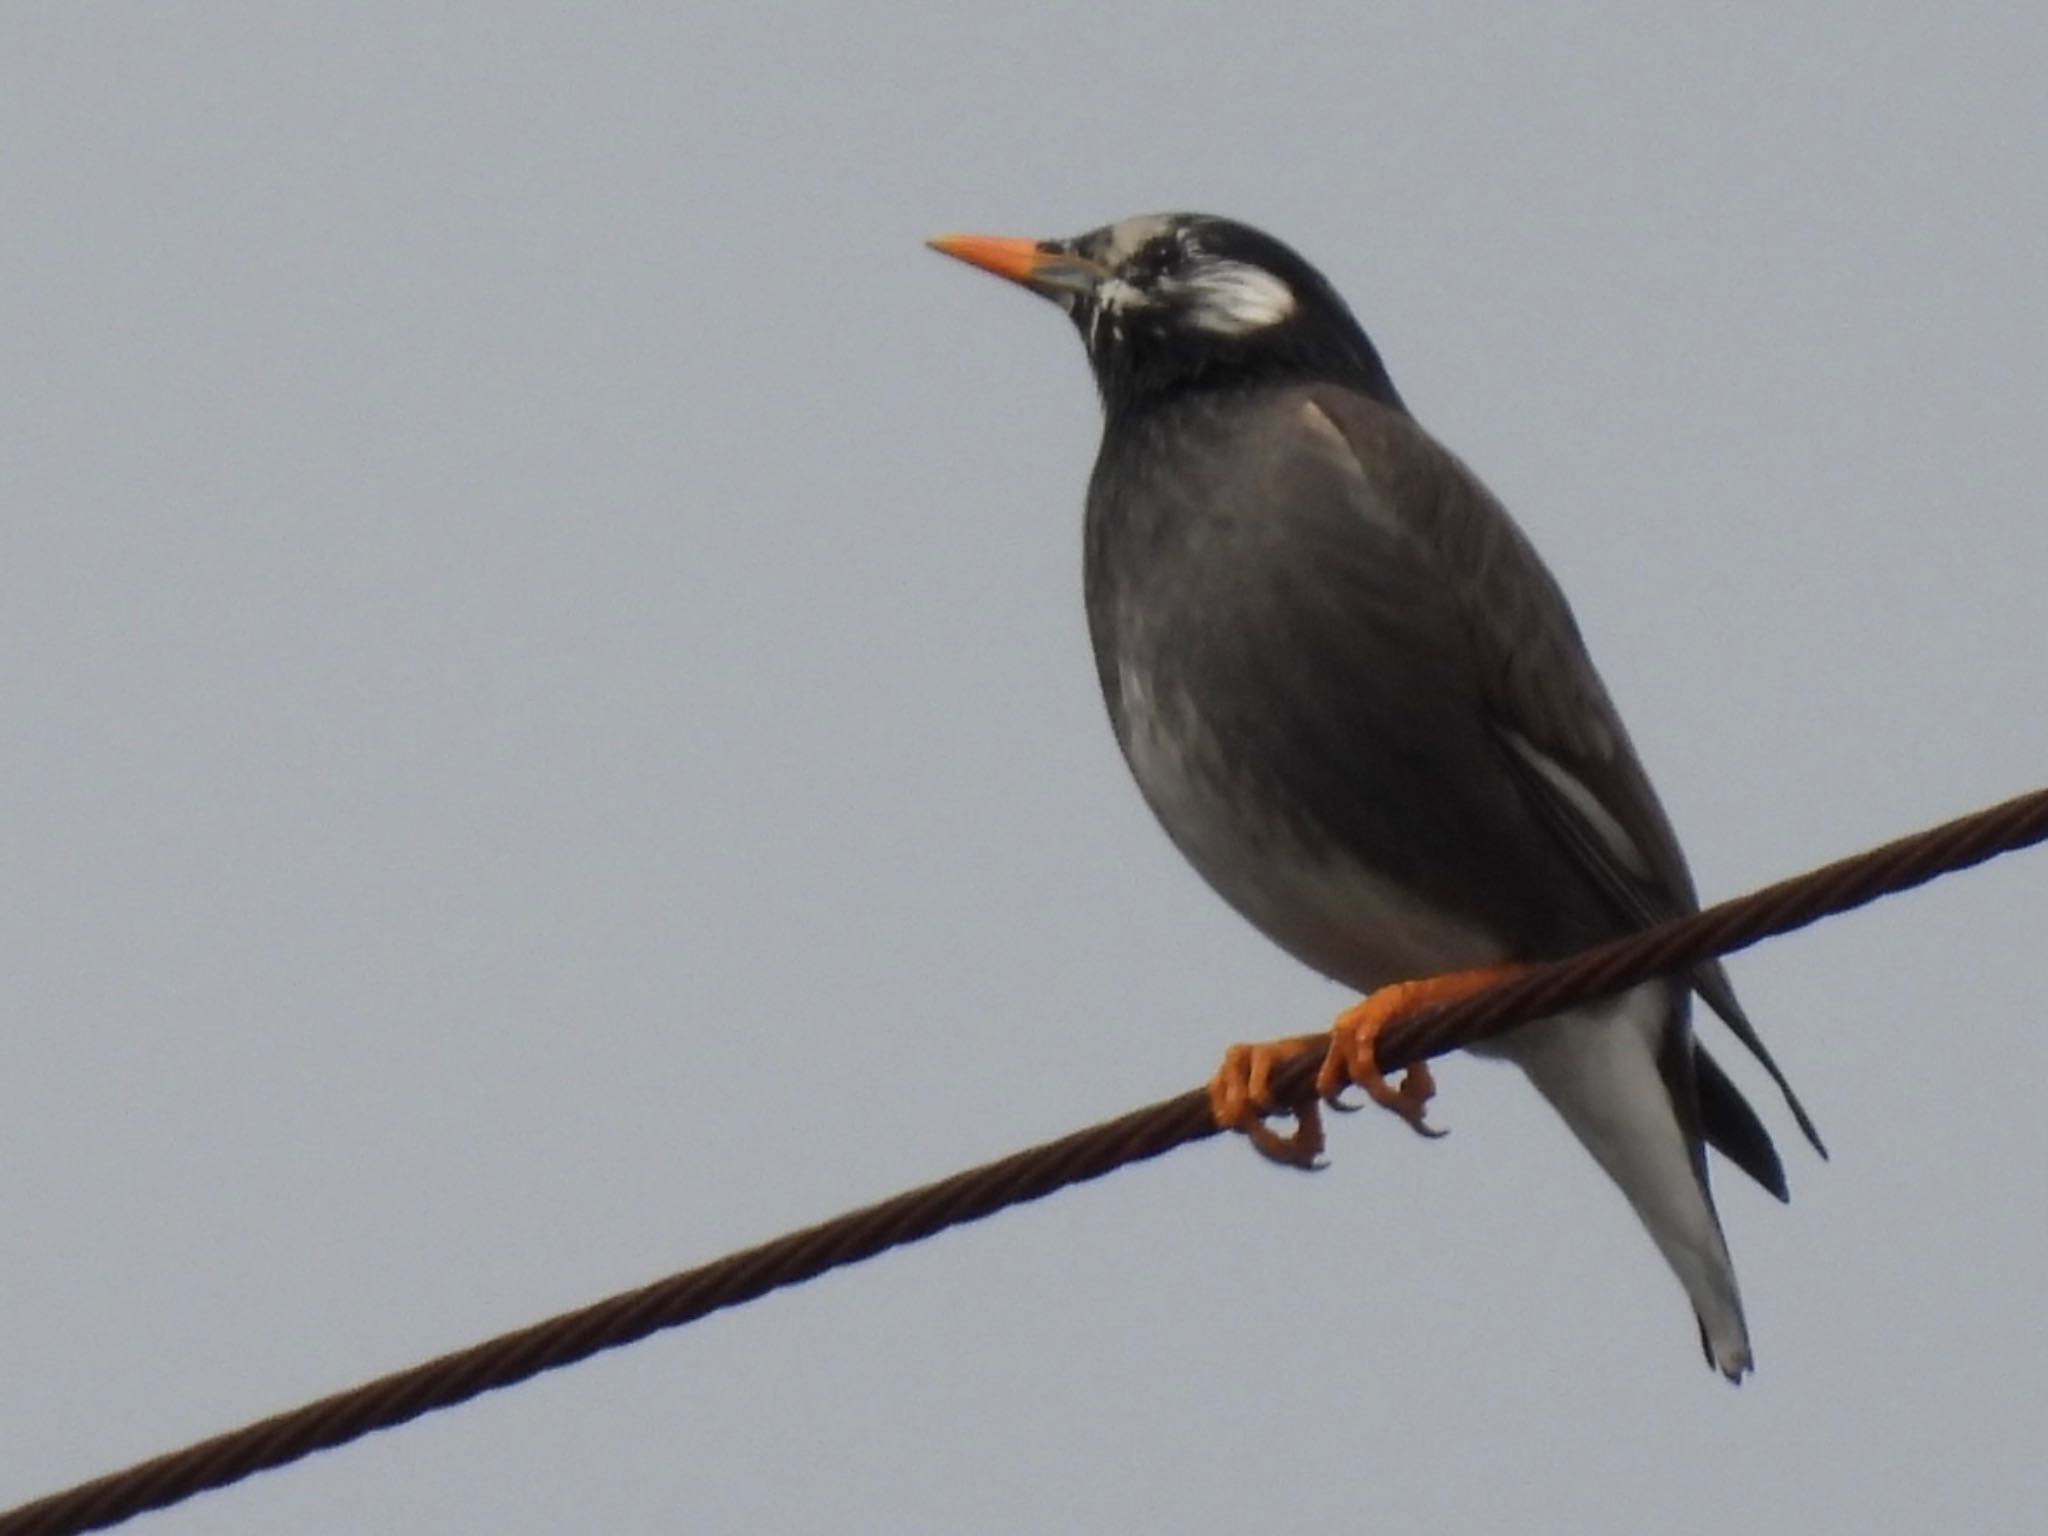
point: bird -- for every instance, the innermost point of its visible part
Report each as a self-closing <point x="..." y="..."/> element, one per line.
<point x="1360" y="706"/>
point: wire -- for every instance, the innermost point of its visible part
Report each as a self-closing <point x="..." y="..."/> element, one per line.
<point x="1032" y="1174"/>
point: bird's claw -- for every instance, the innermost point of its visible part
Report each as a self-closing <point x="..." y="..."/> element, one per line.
<point x="1352" y="1059"/>
<point x="1240" y="1099"/>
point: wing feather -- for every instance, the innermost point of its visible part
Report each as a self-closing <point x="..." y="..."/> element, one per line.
<point x="1558" y="728"/>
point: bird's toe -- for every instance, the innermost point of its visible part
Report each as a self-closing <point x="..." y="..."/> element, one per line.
<point x="1240" y="1099"/>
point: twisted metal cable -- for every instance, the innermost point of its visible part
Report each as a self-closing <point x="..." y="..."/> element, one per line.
<point x="1023" y="1176"/>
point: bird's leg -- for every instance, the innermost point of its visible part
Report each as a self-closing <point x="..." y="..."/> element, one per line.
<point x="1352" y="1057"/>
<point x="1240" y="1097"/>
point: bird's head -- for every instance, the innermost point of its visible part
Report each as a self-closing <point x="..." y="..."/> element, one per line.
<point x="1173" y="301"/>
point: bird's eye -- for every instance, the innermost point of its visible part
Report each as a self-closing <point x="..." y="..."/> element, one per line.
<point x="1153" y="261"/>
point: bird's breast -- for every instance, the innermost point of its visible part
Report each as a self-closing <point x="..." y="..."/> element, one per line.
<point x="1310" y="895"/>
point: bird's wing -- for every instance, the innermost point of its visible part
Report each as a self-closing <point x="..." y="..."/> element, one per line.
<point x="1558" y="727"/>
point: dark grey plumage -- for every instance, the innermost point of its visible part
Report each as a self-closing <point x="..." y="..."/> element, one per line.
<point x="1359" y="704"/>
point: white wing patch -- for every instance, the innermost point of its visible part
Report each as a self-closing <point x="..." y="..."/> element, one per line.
<point x="1590" y="810"/>
<point x="1234" y="298"/>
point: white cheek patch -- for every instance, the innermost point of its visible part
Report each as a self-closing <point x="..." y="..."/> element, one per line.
<point x="1232" y="298"/>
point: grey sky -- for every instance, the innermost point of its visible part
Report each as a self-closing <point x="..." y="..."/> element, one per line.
<point x="549" y="735"/>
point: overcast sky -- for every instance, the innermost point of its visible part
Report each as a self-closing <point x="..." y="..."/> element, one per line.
<point x="548" y="734"/>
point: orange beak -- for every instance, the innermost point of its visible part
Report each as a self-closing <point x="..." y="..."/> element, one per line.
<point x="1052" y="273"/>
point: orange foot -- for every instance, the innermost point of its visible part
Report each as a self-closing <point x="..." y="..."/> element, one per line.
<point x="1353" y="1059"/>
<point x="1240" y="1094"/>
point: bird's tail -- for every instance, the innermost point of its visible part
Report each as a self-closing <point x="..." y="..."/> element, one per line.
<point x="1619" y="1073"/>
